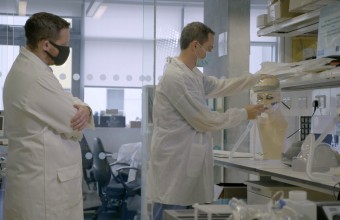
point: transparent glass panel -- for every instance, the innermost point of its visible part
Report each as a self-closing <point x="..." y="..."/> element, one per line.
<point x="8" y="53"/>
<point x="11" y="39"/>
<point x="64" y="73"/>
<point x="127" y="101"/>
<point x="261" y="53"/>
<point x="113" y="60"/>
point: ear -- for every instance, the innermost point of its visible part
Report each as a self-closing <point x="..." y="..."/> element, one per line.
<point x="45" y="44"/>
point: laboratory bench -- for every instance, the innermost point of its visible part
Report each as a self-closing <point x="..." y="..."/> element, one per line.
<point x="278" y="171"/>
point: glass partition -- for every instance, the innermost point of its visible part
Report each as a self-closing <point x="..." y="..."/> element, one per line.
<point x="118" y="55"/>
<point x="12" y="37"/>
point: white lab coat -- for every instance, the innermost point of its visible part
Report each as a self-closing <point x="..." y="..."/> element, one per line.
<point x="181" y="160"/>
<point x="44" y="173"/>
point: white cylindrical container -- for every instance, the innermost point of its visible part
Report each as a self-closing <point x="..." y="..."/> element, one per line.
<point x="297" y="200"/>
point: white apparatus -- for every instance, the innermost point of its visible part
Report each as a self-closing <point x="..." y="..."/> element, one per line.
<point x="270" y="124"/>
<point x="310" y="143"/>
<point x="296" y="207"/>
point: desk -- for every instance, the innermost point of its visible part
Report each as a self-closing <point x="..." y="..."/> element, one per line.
<point x="277" y="171"/>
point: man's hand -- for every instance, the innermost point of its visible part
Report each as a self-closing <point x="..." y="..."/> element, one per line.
<point x="254" y="111"/>
<point x="81" y="118"/>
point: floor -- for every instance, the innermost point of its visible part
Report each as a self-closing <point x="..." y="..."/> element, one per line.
<point x="92" y="201"/>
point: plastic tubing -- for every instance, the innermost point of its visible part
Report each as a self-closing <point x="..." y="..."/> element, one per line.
<point x="241" y="138"/>
<point x="317" y="176"/>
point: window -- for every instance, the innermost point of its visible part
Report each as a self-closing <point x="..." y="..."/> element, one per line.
<point x="123" y="53"/>
<point x="12" y="37"/>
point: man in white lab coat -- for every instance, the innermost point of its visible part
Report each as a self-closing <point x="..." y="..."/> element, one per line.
<point x="181" y="160"/>
<point x="43" y="125"/>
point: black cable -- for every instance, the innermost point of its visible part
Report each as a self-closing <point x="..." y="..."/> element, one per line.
<point x="315" y="105"/>
<point x="285" y="105"/>
<point x="337" y="197"/>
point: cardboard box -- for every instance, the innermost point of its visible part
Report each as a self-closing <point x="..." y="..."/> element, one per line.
<point x="135" y="124"/>
<point x="303" y="48"/>
<point x="262" y="21"/>
<point x="230" y="190"/>
<point x="112" y="111"/>
<point x="304" y="6"/>
<point x="279" y="11"/>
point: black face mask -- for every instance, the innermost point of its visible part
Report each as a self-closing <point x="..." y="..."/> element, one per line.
<point x="62" y="56"/>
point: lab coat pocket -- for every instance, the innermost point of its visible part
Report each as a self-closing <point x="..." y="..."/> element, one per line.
<point x="196" y="160"/>
<point x="70" y="184"/>
<point x="68" y="173"/>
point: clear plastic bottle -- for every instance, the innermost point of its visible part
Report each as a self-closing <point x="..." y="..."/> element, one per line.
<point x="297" y="201"/>
<point x="239" y="209"/>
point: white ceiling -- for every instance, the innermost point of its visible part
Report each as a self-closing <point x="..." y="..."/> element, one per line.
<point x="71" y="8"/>
<point x="74" y="8"/>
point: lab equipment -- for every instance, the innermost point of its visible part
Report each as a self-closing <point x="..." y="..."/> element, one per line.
<point x="273" y="210"/>
<point x="292" y="152"/>
<point x="311" y="144"/>
<point x="297" y="200"/>
<point x="261" y="192"/>
<point x="295" y="207"/>
<point x="325" y="157"/>
<point x="271" y="124"/>
<point x="241" y="138"/>
<point x="111" y="121"/>
<point x="328" y="210"/>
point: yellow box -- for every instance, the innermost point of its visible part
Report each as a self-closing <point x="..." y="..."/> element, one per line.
<point x="303" y="47"/>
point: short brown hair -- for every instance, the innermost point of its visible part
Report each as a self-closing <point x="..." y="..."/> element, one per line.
<point x="43" y="25"/>
<point x="194" y="31"/>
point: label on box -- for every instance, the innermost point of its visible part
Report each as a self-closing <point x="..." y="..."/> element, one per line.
<point x="329" y="31"/>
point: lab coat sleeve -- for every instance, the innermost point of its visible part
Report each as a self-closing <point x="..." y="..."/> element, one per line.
<point x="52" y="106"/>
<point x="197" y="114"/>
<point x="226" y="87"/>
<point x="76" y="100"/>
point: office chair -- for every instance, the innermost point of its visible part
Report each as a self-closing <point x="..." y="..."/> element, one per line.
<point x="113" y="188"/>
<point x="87" y="162"/>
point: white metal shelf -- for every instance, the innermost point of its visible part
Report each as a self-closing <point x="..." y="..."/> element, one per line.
<point x="312" y="83"/>
<point x="301" y="25"/>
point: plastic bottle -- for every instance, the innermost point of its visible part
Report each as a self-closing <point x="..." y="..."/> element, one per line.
<point x="297" y="200"/>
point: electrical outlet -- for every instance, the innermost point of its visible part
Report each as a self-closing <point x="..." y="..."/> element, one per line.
<point x="322" y="101"/>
